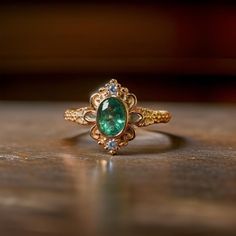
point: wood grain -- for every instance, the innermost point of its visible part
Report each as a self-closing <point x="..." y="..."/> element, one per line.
<point x="54" y="180"/>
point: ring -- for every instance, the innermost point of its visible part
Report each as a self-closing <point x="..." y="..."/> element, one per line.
<point x="113" y="114"/>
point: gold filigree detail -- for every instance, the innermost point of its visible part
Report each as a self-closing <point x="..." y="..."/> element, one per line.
<point x="130" y="100"/>
<point x="128" y="135"/>
<point x="122" y="140"/>
<point x="137" y="116"/>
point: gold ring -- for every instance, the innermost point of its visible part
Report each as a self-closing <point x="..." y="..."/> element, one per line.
<point x="113" y="114"/>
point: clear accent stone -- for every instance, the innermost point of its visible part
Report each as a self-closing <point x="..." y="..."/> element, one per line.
<point x="112" y="88"/>
<point x="112" y="145"/>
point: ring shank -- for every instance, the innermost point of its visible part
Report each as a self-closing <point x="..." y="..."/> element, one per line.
<point x="148" y="116"/>
<point x="79" y="115"/>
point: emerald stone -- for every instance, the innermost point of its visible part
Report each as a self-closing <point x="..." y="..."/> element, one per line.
<point x="111" y="117"/>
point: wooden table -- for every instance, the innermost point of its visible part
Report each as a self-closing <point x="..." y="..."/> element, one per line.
<point x="55" y="180"/>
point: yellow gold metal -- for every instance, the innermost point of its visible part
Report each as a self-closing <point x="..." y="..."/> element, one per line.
<point x="150" y="117"/>
<point x="137" y="116"/>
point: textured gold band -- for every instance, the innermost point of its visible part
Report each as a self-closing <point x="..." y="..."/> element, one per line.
<point x="77" y="115"/>
<point x="150" y="117"/>
<point x="86" y="116"/>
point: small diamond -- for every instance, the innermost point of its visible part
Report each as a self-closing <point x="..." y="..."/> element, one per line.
<point x="112" y="88"/>
<point x="112" y="145"/>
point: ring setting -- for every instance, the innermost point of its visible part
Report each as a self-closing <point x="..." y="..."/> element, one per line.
<point x="113" y="114"/>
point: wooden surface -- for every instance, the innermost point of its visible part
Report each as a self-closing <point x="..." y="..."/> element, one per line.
<point x="55" y="180"/>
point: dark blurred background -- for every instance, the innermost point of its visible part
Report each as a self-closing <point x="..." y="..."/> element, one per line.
<point x="165" y="51"/>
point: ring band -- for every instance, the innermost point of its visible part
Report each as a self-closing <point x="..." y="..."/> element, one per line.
<point x="149" y="116"/>
<point x="113" y="115"/>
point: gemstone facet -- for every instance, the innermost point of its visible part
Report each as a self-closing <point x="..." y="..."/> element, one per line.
<point x="111" y="117"/>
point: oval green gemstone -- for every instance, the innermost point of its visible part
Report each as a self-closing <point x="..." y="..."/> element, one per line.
<point x="111" y="117"/>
